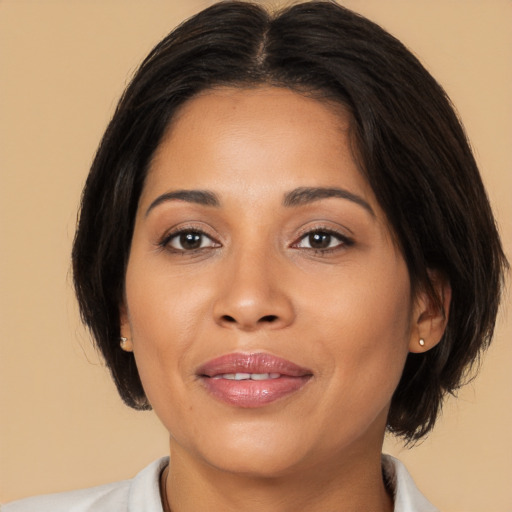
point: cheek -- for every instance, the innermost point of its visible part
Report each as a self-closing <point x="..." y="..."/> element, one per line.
<point x="161" y="321"/>
<point x="169" y="312"/>
<point x="365" y="325"/>
<point x="368" y="303"/>
<point x="165" y="309"/>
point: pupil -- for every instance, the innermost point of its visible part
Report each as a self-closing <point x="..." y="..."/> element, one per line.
<point x="319" y="240"/>
<point x="190" y="240"/>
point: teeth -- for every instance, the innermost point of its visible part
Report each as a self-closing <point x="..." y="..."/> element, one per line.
<point x="237" y="376"/>
<point x="248" y="376"/>
<point x="260" y="376"/>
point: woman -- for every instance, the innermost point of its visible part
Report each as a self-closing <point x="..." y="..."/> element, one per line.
<point x="285" y="249"/>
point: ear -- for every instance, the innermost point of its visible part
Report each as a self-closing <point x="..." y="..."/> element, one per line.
<point x="125" y="330"/>
<point x="430" y="317"/>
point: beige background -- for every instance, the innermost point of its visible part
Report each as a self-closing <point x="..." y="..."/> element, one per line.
<point x="63" y="64"/>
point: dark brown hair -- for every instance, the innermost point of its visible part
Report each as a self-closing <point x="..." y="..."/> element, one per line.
<point x="407" y="137"/>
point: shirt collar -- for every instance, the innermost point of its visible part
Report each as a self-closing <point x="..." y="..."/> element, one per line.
<point x="406" y="495"/>
<point x="144" y="495"/>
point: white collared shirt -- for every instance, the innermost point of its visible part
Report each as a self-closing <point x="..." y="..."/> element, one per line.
<point x="142" y="494"/>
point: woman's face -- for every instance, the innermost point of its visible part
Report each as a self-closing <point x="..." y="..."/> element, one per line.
<point x="270" y="311"/>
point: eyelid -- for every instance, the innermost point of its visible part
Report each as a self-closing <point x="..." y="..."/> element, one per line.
<point x="177" y="238"/>
<point x="164" y="241"/>
<point x="345" y="240"/>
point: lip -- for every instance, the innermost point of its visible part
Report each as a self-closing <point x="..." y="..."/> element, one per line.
<point x="249" y="393"/>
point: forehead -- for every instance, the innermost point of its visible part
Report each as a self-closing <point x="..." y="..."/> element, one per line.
<point x="256" y="136"/>
<point x="248" y="102"/>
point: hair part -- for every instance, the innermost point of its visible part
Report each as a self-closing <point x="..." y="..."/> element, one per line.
<point x="408" y="140"/>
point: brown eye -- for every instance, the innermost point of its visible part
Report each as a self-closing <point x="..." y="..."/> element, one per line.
<point x="319" y="240"/>
<point x="322" y="240"/>
<point x="190" y="241"/>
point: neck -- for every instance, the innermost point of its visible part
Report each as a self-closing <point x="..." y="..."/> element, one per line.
<point x="353" y="484"/>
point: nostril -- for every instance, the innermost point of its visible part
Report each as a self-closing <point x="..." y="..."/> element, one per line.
<point x="242" y="321"/>
<point x="268" y="318"/>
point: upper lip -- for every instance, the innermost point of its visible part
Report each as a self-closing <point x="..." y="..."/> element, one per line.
<point x="252" y="363"/>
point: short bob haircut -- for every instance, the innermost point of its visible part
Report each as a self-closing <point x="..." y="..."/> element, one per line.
<point x="406" y="137"/>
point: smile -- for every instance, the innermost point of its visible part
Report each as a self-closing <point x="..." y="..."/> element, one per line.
<point x="252" y="380"/>
<point x="247" y="376"/>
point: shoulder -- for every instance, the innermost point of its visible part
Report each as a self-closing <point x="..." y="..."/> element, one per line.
<point x="407" y="496"/>
<point x="105" y="497"/>
<point x="139" y="494"/>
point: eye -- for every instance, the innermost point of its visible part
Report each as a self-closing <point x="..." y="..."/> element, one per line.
<point x="189" y="240"/>
<point x="323" y="240"/>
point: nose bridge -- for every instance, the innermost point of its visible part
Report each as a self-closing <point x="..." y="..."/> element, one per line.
<point x="252" y="295"/>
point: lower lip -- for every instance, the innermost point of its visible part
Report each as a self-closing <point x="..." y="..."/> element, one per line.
<point x="253" y="393"/>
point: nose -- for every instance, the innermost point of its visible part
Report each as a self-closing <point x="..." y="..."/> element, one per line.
<point x="253" y="295"/>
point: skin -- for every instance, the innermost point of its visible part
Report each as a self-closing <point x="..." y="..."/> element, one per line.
<point x="256" y="284"/>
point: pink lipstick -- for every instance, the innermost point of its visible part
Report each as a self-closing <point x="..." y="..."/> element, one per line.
<point x="252" y="380"/>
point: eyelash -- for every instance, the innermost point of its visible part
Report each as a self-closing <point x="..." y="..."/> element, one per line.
<point x="343" y="240"/>
<point x="165" y="243"/>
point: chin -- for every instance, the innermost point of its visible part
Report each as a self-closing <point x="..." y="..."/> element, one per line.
<point x="256" y="454"/>
<point x="261" y="465"/>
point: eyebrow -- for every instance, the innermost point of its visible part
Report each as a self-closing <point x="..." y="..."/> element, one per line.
<point x="203" y="197"/>
<point x="297" y="197"/>
<point x="306" y="195"/>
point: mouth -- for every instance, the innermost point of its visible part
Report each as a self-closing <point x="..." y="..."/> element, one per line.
<point x="252" y="380"/>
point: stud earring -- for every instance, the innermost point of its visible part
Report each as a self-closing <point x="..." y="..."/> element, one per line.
<point x="126" y="344"/>
<point x="421" y="342"/>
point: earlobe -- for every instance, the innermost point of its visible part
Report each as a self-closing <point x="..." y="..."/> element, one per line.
<point x="430" y="316"/>
<point x="125" y="340"/>
<point x="126" y="344"/>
